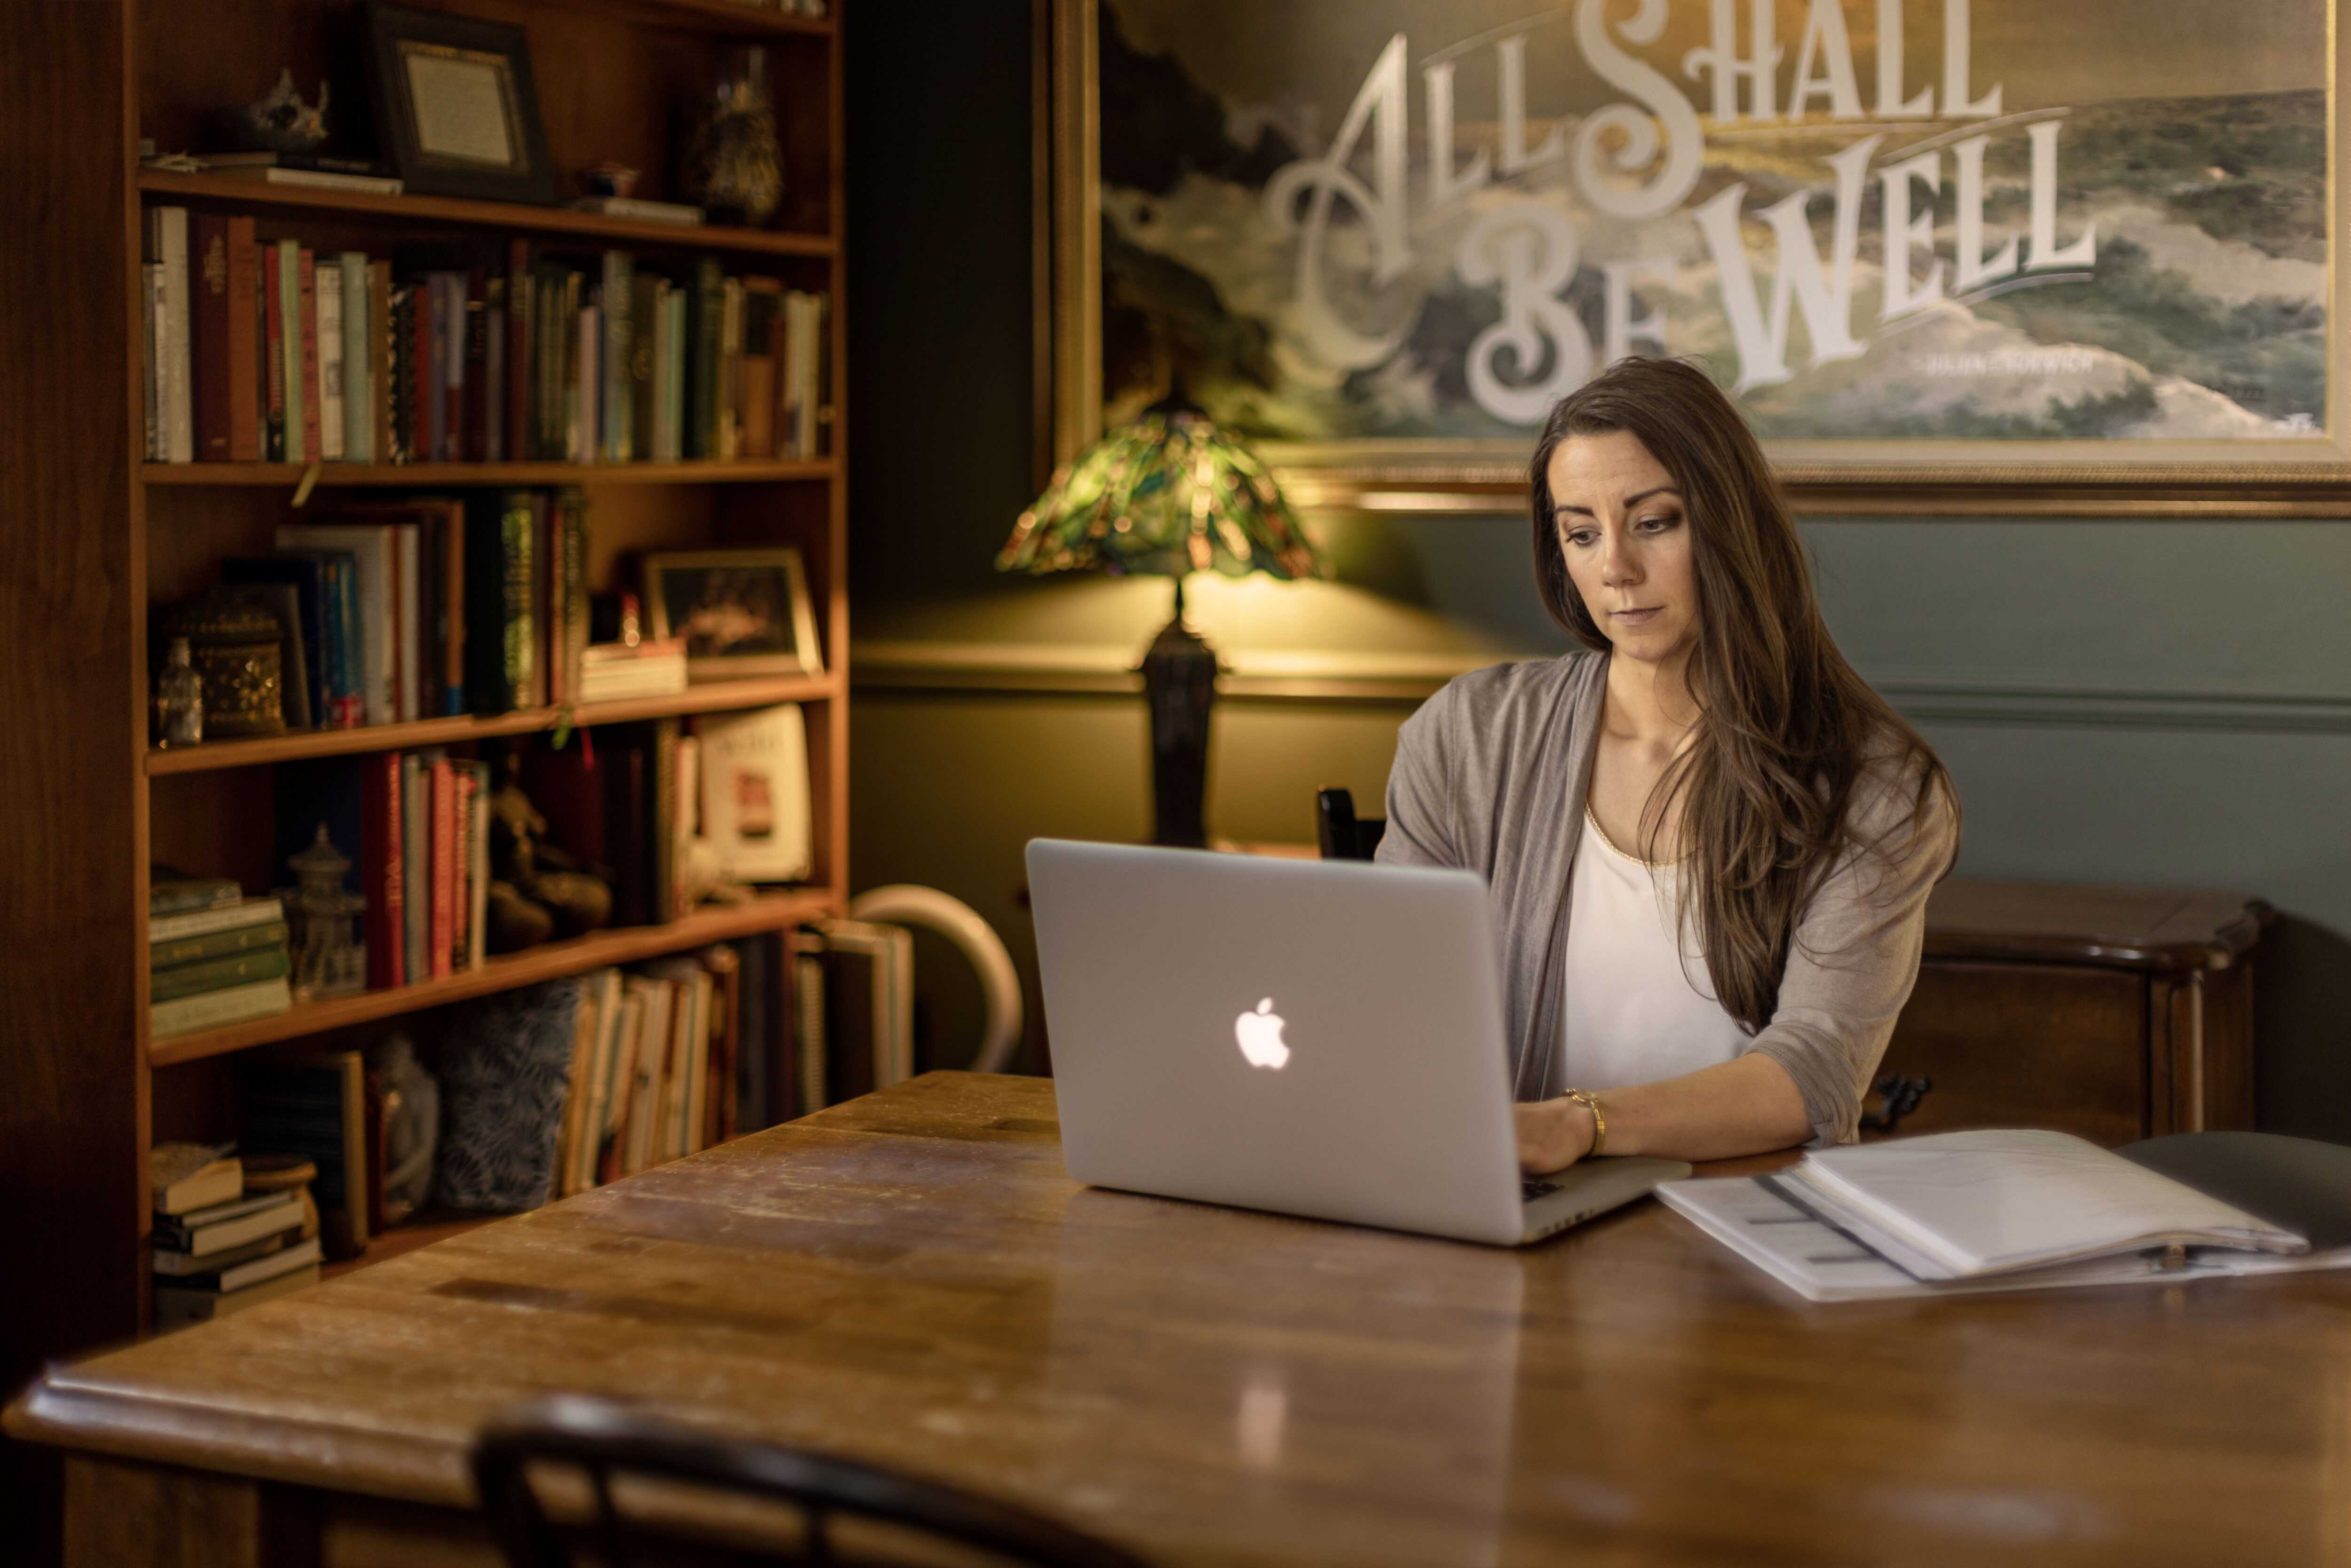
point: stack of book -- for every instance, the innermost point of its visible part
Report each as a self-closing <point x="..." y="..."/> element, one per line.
<point x="214" y="957"/>
<point x="265" y="350"/>
<point x="219" y="1248"/>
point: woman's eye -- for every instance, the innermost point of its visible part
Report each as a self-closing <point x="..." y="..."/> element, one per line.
<point x="1656" y="525"/>
<point x="1582" y="539"/>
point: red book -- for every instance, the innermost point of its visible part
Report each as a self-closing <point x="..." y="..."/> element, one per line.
<point x="461" y="885"/>
<point x="243" y="349"/>
<point x="380" y="877"/>
<point x="211" y="334"/>
<point x="274" y="352"/>
<point x="473" y="396"/>
<point x="518" y="365"/>
<point x="311" y="449"/>
<point x="444" y="865"/>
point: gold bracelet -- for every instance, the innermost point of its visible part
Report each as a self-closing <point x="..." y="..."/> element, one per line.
<point x="1591" y="1103"/>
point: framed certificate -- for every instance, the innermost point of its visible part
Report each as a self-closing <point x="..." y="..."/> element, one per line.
<point x="456" y="109"/>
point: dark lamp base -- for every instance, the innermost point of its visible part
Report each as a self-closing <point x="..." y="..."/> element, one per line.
<point x="1179" y="682"/>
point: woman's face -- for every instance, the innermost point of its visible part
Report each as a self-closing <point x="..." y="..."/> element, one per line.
<point x="1625" y="531"/>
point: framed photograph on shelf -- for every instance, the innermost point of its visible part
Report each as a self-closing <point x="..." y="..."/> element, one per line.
<point x="739" y="612"/>
<point x="1947" y="251"/>
<point x="455" y="106"/>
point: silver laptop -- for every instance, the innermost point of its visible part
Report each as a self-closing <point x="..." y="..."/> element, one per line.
<point x="1319" y="1038"/>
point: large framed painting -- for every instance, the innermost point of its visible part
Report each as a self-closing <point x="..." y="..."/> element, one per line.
<point x="1948" y="248"/>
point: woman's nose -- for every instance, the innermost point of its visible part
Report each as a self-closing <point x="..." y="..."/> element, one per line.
<point x="1618" y="566"/>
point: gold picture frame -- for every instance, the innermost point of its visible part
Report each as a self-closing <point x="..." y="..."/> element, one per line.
<point x="740" y="613"/>
<point x="2286" y="477"/>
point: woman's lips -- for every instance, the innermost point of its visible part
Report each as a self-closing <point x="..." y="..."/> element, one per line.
<point x="1636" y="617"/>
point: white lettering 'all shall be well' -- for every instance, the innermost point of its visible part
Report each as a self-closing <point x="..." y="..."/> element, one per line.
<point x="1638" y="158"/>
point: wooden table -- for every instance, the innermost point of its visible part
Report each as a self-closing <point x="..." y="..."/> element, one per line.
<point x="911" y="1279"/>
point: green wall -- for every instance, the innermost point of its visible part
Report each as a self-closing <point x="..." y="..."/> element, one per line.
<point x="2151" y="702"/>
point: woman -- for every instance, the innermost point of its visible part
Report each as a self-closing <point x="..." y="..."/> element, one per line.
<point x="1708" y="843"/>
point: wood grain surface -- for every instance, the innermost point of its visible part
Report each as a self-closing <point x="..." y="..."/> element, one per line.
<point x="912" y="1280"/>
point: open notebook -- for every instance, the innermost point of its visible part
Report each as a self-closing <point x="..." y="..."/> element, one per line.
<point x="2022" y="1209"/>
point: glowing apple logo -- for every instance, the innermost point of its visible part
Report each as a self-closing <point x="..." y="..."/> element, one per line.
<point x="1259" y="1034"/>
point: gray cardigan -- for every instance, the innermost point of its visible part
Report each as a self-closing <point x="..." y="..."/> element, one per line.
<point x="1491" y="774"/>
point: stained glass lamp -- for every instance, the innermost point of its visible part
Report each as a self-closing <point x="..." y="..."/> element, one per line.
<point x="1169" y="494"/>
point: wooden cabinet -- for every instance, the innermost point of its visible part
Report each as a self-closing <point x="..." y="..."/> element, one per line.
<point x="2115" y="1013"/>
<point x="92" y="537"/>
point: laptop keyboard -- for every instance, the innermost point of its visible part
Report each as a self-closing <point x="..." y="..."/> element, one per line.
<point x="1531" y="1190"/>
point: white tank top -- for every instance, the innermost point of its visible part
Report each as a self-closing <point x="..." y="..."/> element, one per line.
<point x="1640" y="1004"/>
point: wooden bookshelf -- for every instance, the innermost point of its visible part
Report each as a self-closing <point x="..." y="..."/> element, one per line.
<point x="242" y="194"/>
<point x="97" y="538"/>
<point x="547" y="961"/>
<point x="718" y="696"/>
<point x="290" y="476"/>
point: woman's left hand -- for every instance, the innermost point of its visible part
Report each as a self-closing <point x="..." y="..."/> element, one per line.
<point x="1552" y="1134"/>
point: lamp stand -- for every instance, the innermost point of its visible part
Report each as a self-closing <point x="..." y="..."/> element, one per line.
<point x="1179" y="682"/>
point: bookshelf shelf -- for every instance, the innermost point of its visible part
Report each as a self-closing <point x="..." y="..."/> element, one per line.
<point x="718" y="696"/>
<point x="242" y="194"/>
<point x="719" y="18"/>
<point x="548" y="961"/>
<point x="289" y="475"/>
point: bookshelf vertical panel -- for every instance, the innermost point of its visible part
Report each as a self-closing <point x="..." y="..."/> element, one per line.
<point x="72" y="1077"/>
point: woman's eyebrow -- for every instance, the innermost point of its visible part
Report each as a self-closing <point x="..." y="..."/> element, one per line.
<point x="1629" y="501"/>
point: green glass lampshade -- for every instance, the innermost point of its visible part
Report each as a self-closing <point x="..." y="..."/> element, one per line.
<point x="1166" y="493"/>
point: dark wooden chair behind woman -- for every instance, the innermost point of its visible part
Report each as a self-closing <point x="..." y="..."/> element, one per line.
<point x="655" y="1492"/>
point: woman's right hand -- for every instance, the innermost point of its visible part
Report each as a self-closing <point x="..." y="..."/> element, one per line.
<point x="1552" y="1134"/>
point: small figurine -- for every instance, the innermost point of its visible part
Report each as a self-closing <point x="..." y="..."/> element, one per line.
<point x="733" y="162"/>
<point x="279" y="121"/>
<point x="327" y="961"/>
<point x="537" y="891"/>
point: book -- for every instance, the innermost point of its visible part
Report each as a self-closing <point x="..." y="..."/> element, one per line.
<point x="217" y="945"/>
<point x="568" y="612"/>
<point x="358" y="366"/>
<point x="312" y="1105"/>
<point x="810" y="1089"/>
<point x="318" y="161"/>
<point x="501" y="616"/>
<point x="238" y="351"/>
<point x="186" y="1176"/>
<point x="376" y="593"/>
<point x="206" y="1231"/>
<point x="383" y="384"/>
<point x="869" y="999"/>
<point x="475" y="792"/>
<point x="253" y="1271"/>
<point x="441" y="936"/>
<point x="383" y="870"/>
<point x="616" y="671"/>
<point x="1959" y="1212"/>
<point x="167" y="246"/>
<point x="242" y="968"/>
<point x="214" y="1010"/>
<point x="640" y="209"/>
<point x="288" y="341"/>
<point x="313" y="451"/>
<point x="705" y="327"/>
<point x="172" y="1263"/>
<point x="326" y="304"/>
<point x="720" y="1116"/>
<point x="616" y="356"/>
<point x="170" y="892"/>
<point x="318" y="179"/>
<point x="272" y="308"/>
<point x="177" y="1309"/>
<point x="212" y="917"/>
<point x="209" y="353"/>
<point x="152" y="318"/>
<point x="521" y="324"/>
<point x="416" y="867"/>
<point x="754" y="793"/>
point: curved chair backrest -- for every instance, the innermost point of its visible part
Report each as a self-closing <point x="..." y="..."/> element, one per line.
<point x="606" y="1439"/>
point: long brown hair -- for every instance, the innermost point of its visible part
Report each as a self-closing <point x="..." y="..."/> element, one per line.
<point x="1786" y="728"/>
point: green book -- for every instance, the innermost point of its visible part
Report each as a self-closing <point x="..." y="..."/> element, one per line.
<point x="289" y="313"/>
<point x="708" y="306"/>
<point x="217" y="974"/>
<point x="358" y="376"/>
<point x="170" y="892"/>
<point x="164" y="955"/>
